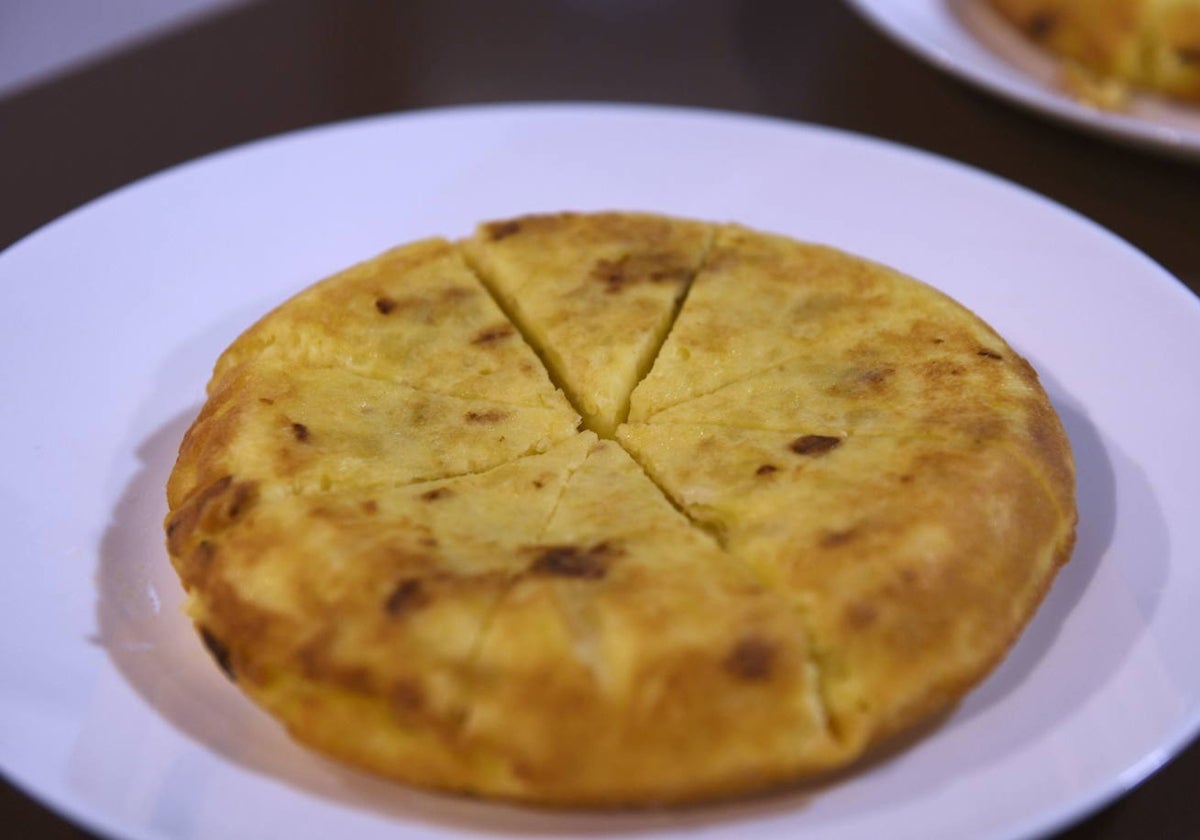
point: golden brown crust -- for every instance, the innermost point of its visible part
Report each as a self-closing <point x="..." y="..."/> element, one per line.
<point x="847" y="496"/>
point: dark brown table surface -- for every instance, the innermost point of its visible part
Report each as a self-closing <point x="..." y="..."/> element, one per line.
<point x="275" y="66"/>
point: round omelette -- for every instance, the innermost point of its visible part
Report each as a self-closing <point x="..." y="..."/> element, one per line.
<point x="616" y="509"/>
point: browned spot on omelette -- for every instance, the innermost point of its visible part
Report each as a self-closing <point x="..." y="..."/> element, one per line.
<point x="815" y="445"/>
<point x="407" y="596"/>
<point x="572" y="561"/>
<point x="751" y="659"/>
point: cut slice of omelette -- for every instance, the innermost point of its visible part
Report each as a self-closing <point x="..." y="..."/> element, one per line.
<point x="594" y="293"/>
<point x="838" y="498"/>
<point x="633" y="662"/>
<point x="762" y="300"/>
<point x="416" y="315"/>
<point x="310" y="429"/>
<point x="355" y="614"/>
<point x="927" y="378"/>
<point x="915" y="561"/>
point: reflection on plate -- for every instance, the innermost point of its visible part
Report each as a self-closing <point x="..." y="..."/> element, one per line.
<point x="966" y="38"/>
<point x="111" y="317"/>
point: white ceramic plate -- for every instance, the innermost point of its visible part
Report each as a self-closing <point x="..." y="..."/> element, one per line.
<point x="111" y="317"/>
<point x="967" y="39"/>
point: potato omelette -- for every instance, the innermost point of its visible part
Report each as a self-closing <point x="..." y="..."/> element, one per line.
<point x="615" y="509"/>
